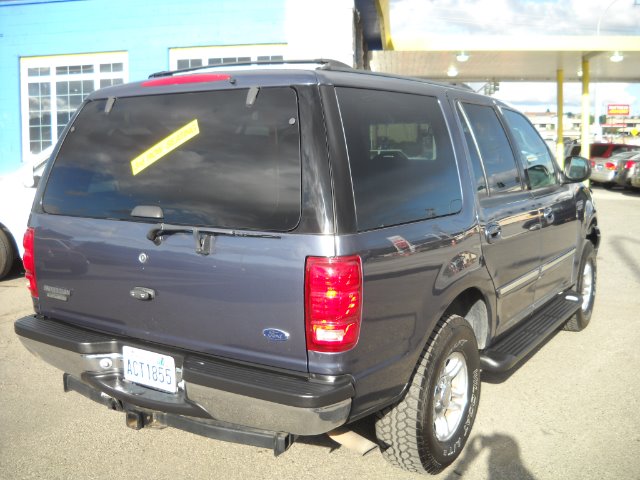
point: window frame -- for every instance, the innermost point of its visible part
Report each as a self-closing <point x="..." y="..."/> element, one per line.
<point x="446" y="126"/>
<point x="225" y="51"/>
<point x="52" y="63"/>
<point x="520" y="159"/>
<point x="498" y="113"/>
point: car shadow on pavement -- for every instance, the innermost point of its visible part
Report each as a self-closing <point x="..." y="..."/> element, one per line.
<point x="631" y="192"/>
<point x="504" y="458"/>
<point x="626" y="248"/>
<point x="16" y="272"/>
<point x="504" y="461"/>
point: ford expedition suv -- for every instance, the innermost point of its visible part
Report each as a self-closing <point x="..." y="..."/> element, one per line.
<point x="258" y="254"/>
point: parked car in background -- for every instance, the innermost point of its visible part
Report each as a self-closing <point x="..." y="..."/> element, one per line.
<point x="634" y="176"/>
<point x="17" y="190"/>
<point x="604" y="161"/>
<point x="598" y="149"/>
<point x="627" y="165"/>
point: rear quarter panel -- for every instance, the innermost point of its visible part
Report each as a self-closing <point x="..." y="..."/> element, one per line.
<point x="412" y="274"/>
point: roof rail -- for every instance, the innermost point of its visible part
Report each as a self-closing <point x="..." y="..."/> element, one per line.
<point x="324" y="64"/>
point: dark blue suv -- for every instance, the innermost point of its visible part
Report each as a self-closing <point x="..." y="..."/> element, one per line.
<point x="256" y="254"/>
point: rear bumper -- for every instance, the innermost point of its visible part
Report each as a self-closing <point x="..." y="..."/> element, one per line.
<point x="603" y="176"/>
<point x="248" y="396"/>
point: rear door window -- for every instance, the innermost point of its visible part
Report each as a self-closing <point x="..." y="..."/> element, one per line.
<point x="213" y="159"/>
<point x="492" y="143"/>
<point x="402" y="163"/>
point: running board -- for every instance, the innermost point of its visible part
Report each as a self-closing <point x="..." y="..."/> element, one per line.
<point x="524" y="338"/>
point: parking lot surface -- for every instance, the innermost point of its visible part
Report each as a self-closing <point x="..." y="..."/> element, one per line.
<point x="571" y="411"/>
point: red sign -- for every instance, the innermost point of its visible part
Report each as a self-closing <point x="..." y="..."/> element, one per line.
<point x="615" y="109"/>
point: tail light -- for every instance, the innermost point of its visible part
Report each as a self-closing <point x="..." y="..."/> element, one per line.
<point x="629" y="164"/>
<point x="610" y="166"/>
<point x="593" y="164"/>
<point x="29" y="262"/>
<point x="333" y="303"/>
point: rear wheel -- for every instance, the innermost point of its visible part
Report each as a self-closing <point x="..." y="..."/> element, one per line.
<point x="7" y="254"/>
<point x="587" y="276"/>
<point x="427" y="429"/>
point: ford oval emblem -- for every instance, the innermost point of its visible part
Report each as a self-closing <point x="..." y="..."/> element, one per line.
<point x="275" y="335"/>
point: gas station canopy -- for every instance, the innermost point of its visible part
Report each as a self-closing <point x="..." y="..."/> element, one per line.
<point x="497" y="58"/>
<point x="501" y="58"/>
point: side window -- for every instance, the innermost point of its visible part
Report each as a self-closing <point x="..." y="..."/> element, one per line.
<point x="495" y="151"/>
<point x="534" y="155"/>
<point x="401" y="157"/>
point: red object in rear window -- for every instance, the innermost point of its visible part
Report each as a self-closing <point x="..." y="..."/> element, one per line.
<point x="180" y="79"/>
<point x="28" y="260"/>
<point x="333" y="303"/>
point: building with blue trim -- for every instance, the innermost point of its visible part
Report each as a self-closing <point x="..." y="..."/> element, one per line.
<point x="53" y="53"/>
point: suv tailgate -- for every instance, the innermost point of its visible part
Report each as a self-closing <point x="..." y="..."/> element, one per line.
<point x="225" y="161"/>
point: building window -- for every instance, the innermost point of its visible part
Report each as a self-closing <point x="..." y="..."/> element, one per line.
<point x="180" y="58"/>
<point x="52" y="88"/>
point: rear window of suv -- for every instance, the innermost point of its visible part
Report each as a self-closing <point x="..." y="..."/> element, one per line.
<point x="221" y="159"/>
<point x="402" y="163"/>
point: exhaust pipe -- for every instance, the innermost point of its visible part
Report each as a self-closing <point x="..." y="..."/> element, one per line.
<point x="352" y="441"/>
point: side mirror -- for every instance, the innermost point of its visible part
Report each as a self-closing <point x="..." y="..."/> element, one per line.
<point x="576" y="169"/>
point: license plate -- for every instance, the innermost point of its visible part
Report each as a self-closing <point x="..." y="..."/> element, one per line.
<point x="149" y="369"/>
<point x="598" y="167"/>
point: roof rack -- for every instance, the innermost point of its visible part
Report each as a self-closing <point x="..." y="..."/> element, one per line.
<point x="324" y="64"/>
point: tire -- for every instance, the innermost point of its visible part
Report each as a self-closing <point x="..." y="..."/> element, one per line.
<point x="7" y="254"/>
<point x="419" y="433"/>
<point x="586" y="286"/>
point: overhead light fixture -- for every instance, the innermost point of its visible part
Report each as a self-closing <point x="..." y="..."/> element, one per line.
<point x="580" y="73"/>
<point x="616" y="57"/>
<point x="462" y="57"/>
<point x="452" y="71"/>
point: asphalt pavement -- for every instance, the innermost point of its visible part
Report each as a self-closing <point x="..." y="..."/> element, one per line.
<point x="571" y="411"/>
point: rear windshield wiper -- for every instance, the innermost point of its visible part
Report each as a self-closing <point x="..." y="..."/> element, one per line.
<point x="203" y="237"/>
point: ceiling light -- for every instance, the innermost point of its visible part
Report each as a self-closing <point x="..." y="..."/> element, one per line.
<point x="452" y="72"/>
<point x="580" y="73"/>
<point x="462" y="57"/>
<point x="616" y="57"/>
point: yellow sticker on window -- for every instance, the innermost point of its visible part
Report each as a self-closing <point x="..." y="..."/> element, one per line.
<point x="164" y="146"/>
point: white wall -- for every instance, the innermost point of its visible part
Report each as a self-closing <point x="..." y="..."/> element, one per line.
<point x="320" y="29"/>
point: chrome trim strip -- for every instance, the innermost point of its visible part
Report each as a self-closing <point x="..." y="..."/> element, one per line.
<point x="534" y="274"/>
<point x="518" y="282"/>
<point x="549" y="265"/>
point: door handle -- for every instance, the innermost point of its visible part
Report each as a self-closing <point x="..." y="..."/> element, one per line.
<point x="493" y="231"/>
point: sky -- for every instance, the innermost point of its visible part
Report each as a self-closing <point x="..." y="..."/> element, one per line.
<point x="529" y="17"/>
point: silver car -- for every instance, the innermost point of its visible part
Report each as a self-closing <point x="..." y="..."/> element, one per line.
<point x="634" y="176"/>
<point x="627" y="164"/>
<point x="604" y="169"/>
